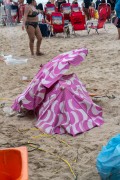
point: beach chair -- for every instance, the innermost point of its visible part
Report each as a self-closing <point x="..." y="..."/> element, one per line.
<point x="78" y="21"/>
<point x="106" y="6"/>
<point x="100" y="23"/>
<point x="57" y="23"/>
<point x="14" y="164"/>
<point x="75" y="8"/>
<point x="49" y="9"/>
<point x="66" y="10"/>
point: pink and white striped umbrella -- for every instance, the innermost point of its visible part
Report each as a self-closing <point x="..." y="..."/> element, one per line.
<point x="46" y="77"/>
<point x="59" y="65"/>
<point x="60" y="101"/>
<point x="68" y="108"/>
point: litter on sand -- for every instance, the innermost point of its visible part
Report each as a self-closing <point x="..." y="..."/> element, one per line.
<point x="9" y="60"/>
<point x="8" y="111"/>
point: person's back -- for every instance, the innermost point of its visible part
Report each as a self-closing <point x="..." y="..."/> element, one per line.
<point x="40" y="17"/>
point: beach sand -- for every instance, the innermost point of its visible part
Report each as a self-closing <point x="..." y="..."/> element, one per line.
<point x="100" y="72"/>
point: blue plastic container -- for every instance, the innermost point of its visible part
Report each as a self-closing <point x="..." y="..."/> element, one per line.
<point x="108" y="160"/>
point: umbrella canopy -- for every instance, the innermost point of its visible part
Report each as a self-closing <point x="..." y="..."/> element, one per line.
<point x="58" y="66"/>
<point x="46" y="77"/>
<point x="67" y="108"/>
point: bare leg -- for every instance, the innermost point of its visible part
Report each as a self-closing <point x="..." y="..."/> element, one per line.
<point x="8" y="13"/>
<point x="86" y="11"/>
<point x="39" y="40"/>
<point x="118" y="33"/>
<point x="31" y="33"/>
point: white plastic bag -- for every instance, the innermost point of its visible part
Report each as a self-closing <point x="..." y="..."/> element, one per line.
<point x="8" y="111"/>
<point x="9" y="60"/>
<point x="24" y="78"/>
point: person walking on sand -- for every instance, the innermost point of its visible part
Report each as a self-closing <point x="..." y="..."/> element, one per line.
<point x="7" y="4"/>
<point x="117" y="9"/>
<point x="30" y="22"/>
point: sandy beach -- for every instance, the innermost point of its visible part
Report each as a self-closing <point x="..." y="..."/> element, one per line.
<point x="100" y="72"/>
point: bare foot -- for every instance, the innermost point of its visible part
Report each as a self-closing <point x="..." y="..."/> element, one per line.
<point x="39" y="54"/>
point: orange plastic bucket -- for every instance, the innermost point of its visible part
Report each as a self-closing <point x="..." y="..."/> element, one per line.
<point x="14" y="164"/>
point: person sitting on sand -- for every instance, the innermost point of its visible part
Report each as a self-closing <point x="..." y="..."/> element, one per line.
<point x="44" y="25"/>
<point x="30" y="22"/>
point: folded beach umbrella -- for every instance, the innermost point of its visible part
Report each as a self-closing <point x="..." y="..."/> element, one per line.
<point x="46" y="77"/>
<point x="68" y="108"/>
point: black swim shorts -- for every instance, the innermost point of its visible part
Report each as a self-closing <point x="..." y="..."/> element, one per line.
<point x="118" y="23"/>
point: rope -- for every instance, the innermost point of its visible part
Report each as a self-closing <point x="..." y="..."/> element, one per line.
<point x="58" y="157"/>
